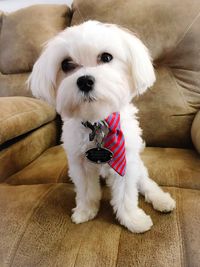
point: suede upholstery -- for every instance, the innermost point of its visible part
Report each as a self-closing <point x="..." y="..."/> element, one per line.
<point x="165" y="166"/>
<point x="16" y="156"/>
<point x="36" y="195"/>
<point x="173" y="166"/>
<point x="52" y="162"/>
<point x="31" y="27"/>
<point x="36" y="230"/>
<point x="14" y="84"/>
<point x="20" y="115"/>
<point x="54" y="18"/>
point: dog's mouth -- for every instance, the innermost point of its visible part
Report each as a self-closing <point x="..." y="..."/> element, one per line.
<point x="87" y="97"/>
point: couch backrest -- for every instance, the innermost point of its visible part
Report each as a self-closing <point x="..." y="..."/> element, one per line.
<point x="171" y="31"/>
<point x="22" y="36"/>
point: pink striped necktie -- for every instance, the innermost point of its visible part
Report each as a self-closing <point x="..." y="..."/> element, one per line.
<point x="114" y="141"/>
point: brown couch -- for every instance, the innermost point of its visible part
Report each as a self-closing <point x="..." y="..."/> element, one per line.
<point x="36" y="196"/>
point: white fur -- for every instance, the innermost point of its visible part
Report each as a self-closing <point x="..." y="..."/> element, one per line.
<point x="116" y="83"/>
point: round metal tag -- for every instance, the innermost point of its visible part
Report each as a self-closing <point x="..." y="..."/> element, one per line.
<point x="99" y="155"/>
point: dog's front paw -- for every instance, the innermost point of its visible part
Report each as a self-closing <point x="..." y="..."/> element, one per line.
<point x="137" y="221"/>
<point x="81" y="215"/>
<point x="162" y="201"/>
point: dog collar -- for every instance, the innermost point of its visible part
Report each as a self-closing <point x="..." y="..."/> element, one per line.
<point x="111" y="149"/>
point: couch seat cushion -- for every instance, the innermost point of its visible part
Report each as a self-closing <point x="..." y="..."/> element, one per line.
<point x="50" y="167"/>
<point x="36" y="230"/>
<point x="173" y="166"/>
<point x="167" y="166"/>
<point x="20" y="115"/>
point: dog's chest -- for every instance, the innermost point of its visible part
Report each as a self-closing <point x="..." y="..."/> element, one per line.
<point x="76" y="138"/>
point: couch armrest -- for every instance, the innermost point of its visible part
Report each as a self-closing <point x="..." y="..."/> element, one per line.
<point x="195" y="132"/>
<point x="19" y="115"/>
<point x="27" y="128"/>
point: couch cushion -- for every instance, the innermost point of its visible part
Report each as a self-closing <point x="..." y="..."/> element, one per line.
<point x="166" y="166"/>
<point x="18" y="155"/>
<point x="20" y="115"/>
<point x="173" y="167"/>
<point x="24" y="32"/>
<point x="50" y="167"/>
<point x="36" y="230"/>
<point x="195" y="132"/>
<point x="171" y="32"/>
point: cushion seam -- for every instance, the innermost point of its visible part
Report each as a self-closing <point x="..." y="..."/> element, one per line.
<point x="116" y="262"/>
<point x="187" y="30"/>
<point x="22" y="136"/>
<point x="178" y="222"/>
<point x="60" y="175"/>
<point x="182" y="37"/>
<point x="80" y="246"/>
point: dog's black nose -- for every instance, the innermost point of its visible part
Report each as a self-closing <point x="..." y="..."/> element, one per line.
<point x="85" y="83"/>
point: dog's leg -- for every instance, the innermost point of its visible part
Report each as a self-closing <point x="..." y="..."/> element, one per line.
<point x="160" y="200"/>
<point x="88" y="192"/>
<point x="125" y="200"/>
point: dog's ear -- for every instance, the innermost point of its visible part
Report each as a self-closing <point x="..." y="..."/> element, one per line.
<point x="42" y="80"/>
<point x="140" y="62"/>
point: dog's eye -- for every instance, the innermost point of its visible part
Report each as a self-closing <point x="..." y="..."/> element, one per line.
<point x="105" y="57"/>
<point x="68" y="65"/>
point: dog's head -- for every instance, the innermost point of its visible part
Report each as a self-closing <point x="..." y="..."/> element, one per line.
<point x="91" y="70"/>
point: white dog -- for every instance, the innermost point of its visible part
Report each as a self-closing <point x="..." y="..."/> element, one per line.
<point x="91" y="72"/>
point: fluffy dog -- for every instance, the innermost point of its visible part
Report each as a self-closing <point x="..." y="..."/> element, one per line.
<point x="90" y="72"/>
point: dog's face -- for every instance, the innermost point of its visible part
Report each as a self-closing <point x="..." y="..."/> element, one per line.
<point x="92" y="70"/>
